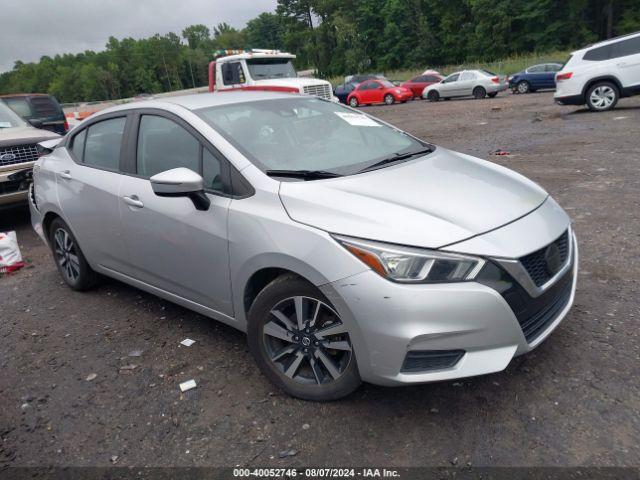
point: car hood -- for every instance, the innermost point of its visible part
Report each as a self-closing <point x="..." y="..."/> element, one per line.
<point x="436" y="200"/>
<point x="22" y="135"/>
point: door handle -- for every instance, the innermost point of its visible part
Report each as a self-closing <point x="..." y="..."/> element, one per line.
<point x="66" y="174"/>
<point x="133" y="201"/>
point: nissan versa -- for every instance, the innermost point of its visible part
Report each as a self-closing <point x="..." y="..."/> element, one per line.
<point x="347" y="249"/>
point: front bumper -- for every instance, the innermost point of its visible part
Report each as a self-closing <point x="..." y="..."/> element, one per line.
<point x="387" y="320"/>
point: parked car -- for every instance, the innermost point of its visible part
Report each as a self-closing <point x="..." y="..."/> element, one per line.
<point x="419" y="83"/>
<point x="346" y="249"/>
<point x="476" y="83"/>
<point x="601" y="74"/>
<point x="534" y="78"/>
<point x="18" y="151"/>
<point x="342" y="91"/>
<point x="39" y="109"/>
<point x="378" y="91"/>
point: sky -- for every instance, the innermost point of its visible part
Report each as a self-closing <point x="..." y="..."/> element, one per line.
<point x="30" y="29"/>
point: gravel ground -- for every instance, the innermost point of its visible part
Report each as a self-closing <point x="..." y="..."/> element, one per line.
<point x="573" y="401"/>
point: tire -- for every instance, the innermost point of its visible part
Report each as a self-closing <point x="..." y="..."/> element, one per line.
<point x="479" y="93"/>
<point x="523" y="87"/>
<point x="298" y="361"/>
<point x="70" y="261"/>
<point x="388" y="99"/>
<point x="353" y="102"/>
<point x="493" y="94"/>
<point x="433" y="96"/>
<point x="602" y="96"/>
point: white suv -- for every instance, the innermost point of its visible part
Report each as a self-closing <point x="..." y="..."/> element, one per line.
<point x="600" y="74"/>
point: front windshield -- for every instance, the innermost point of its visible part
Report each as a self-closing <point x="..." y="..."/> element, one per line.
<point x="306" y="133"/>
<point x="264" y="68"/>
<point x="8" y="118"/>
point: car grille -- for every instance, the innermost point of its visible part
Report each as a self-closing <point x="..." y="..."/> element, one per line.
<point x="536" y="265"/>
<point x="18" y="154"/>
<point x="322" y="90"/>
<point x="430" y="360"/>
<point x="533" y="325"/>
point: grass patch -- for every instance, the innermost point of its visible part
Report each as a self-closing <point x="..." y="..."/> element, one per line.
<point x="506" y="66"/>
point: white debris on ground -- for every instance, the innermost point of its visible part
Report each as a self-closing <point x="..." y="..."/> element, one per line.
<point x="187" y="342"/>
<point x="188" y="385"/>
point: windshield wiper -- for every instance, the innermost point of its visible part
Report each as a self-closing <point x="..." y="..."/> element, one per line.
<point x="395" y="158"/>
<point x="304" y="174"/>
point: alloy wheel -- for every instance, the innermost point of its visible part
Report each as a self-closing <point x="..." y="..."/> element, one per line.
<point x="523" y="87"/>
<point x="66" y="255"/>
<point x="306" y="341"/>
<point x="602" y="97"/>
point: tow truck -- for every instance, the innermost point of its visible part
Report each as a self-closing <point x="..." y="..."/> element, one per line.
<point x="260" y="69"/>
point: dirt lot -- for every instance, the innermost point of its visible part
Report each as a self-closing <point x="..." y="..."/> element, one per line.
<point x="573" y="401"/>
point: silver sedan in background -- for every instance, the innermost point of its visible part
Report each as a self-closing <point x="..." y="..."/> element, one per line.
<point x="346" y="249"/>
<point x="467" y="83"/>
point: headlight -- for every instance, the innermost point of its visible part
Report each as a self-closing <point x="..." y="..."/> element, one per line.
<point x="412" y="265"/>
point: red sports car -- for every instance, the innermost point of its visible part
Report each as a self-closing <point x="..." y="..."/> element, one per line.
<point x="378" y="91"/>
<point x="419" y="83"/>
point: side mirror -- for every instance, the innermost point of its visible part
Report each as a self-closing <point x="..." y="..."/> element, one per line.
<point x="181" y="182"/>
<point x="34" y="122"/>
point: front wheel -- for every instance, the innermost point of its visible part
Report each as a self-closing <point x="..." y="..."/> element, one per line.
<point x="523" y="87"/>
<point x="70" y="261"/>
<point x="388" y="99"/>
<point x="479" y="92"/>
<point x="602" y="96"/>
<point x="300" y="342"/>
<point x="353" y="102"/>
<point x="433" y="96"/>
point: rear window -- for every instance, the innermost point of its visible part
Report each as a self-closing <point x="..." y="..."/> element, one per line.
<point x="45" y="106"/>
<point x="19" y="105"/>
<point x="488" y="73"/>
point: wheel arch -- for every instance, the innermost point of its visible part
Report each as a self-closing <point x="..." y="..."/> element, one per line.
<point x="603" y="78"/>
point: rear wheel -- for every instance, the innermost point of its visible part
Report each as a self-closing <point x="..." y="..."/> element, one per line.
<point x="300" y="343"/>
<point x="70" y="261"/>
<point x="388" y="99"/>
<point x="353" y="102"/>
<point x="602" y="96"/>
<point x="433" y="96"/>
<point x="523" y="87"/>
<point x="479" y="92"/>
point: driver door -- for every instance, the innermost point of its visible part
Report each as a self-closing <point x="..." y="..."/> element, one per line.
<point x="172" y="245"/>
<point x="448" y="86"/>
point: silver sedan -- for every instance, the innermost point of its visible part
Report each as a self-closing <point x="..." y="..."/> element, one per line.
<point x="467" y="83"/>
<point x="346" y="249"/>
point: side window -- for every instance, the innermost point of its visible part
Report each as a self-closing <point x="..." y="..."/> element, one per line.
<point x="553" y="67"/>
<point x="598" y="54"/>
<point x="77" y="147"/>
<point x="626" y="47"/>
<point x="163" y="145"/>
<point x="232" y="73"/>
<point x="432" y="78"/>
<point x="103" y="143"/>
<point x="452" y="78"/>
<point x="536" y="69"/>
<point x="467" y="76"/>
<point x="212" y="171"/>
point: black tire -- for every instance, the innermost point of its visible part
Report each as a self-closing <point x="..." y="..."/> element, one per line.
<point x="479" y="93"/>
<point x="353" y="102"/>
<point x="493" y="94"/>
<point x="433" y="96"/>
<point x="70" y="261"/>
<point x="389" y="99"/>
<point x="309" y="379"/>
<point x="523" y="87"/>
<point x="602" y="96"/>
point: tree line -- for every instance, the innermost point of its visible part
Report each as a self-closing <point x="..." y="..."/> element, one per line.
<point x="336" y="37"/>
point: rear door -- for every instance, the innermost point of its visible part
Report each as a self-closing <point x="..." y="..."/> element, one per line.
<point x="88" y="189"/>
<point x="172" y="245"/>
<point x="627" y="60"/>
<point x="465" y="84"/>
<point x="551" y="69"/>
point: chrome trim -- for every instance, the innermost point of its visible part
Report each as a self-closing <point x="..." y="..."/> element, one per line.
<point x="520" y="274"/>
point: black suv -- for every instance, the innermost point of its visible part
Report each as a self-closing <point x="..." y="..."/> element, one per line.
<point x="39" y="109"/>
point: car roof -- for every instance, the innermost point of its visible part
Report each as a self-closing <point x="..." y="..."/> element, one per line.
<point x="608" y="41"/>
<point x="200" y="100"/>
